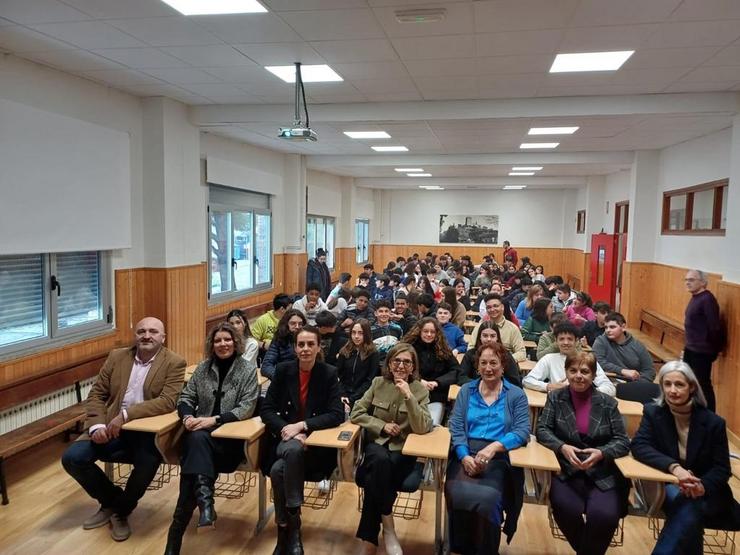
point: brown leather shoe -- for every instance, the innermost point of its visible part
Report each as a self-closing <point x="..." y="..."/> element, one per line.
<point x="119" y="528"/>
<point x="101" y="518"/>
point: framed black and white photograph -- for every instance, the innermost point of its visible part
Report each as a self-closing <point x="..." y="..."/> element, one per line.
<point x="468" y="229"/>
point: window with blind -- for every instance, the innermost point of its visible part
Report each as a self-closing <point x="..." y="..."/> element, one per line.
<point x="239" y="242"/>
<point x="320" y="235"/>
<point x="45" y="298"/>
<point x="362" y="240"/>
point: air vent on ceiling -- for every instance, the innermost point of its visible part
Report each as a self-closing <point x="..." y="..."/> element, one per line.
<point x="424" y="15"/>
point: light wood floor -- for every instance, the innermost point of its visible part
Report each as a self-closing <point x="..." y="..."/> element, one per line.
<point x="47" y="508"/>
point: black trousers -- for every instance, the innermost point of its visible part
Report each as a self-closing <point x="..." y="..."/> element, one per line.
<point x="207" y="455"/>
<point x="384" y="472"/>
<point x="701" y="364"/>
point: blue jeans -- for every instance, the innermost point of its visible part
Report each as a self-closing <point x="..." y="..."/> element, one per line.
<point x="683" y="533"/>
<point x="136" y="448"/>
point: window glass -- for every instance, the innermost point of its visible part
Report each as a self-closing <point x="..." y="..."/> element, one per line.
<point x="677" y="212"/>
<point x="220" y="259"/>
<point x="243" y="251"/>
<point x="263" y="247"/>
<point x="723" y="216"/>
<point x="703" y="211"/>
<point x="78" y="300"/>
<point x="21" y="298"/>
<point x="361" y="240"/>
<point x="330" y="243"/>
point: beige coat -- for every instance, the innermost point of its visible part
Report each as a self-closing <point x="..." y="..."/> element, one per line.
<point x="161" y="388"/>
<point x="384" y="403"/>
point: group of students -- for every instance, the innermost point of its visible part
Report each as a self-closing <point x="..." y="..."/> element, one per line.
<point x="390" y="373"/>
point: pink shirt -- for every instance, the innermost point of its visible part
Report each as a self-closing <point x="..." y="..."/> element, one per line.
<point x="584" y="311"/>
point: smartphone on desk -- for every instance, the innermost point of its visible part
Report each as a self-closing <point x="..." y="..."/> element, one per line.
<point x="344" y="436"/>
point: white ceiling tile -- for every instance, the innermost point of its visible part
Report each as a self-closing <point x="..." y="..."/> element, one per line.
<point x="4" y="22"/>
<point x="242" y="98"/>
<point x="361" y="50"/>
<point x="247" y="28"/>
<point x="334" y="24"/>
<point x="21" y="39"/>
<point x="212" y="56"/>
<point x="432" y="84"/>
<point x="298" y="5"/>
<point x="89" y="34"/>
<point x="699" y="10"/>
<point x="402" y="84"/>
<point x="242" y="74"/>
<point x="122" y="9"/>
<point x="74" y="60"/>
<point x="596" y="90"/>
<point x="713" y="74"/>
<point x="407" y="3"/>
<point x="670" y="57"/>
<point x="681" y="87"/>
<point x="140" y="58"/>
<point x="120" y="77"/>
<point x="406" y="96"/>
<point x="34" y="12"/>
<point x="442" y="68"/>
<point x="696" y="33"/>
<point x="166" y="31"/>
<point x="336" y="98"/>
<point x="508" y="15"/>
<point x="280" y="53"/>
<point x="162" y="89"/>
<point x="458" y="20"/>
<point x="429" y="48"/>
<point x="518" y="42"/>
<point x="653" y="76"/>
<point x="597" y="39"/>
<point x="526" y="82"/>
<point x="529" y="63"/>
<point x="588" y="78"/>
<point x="726" y="57"/>
<point x="183" y="76"/>
<point x="211" y="90"/>
<point x="609" y="12"/>
<point x="372" y="70"/>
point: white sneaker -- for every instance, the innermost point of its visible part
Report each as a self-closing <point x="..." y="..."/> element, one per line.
<point x="392" y="545"/>
<point x="324" y="487"/>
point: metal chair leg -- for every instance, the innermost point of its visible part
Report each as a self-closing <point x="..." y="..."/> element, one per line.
<point x="3" y="484"/>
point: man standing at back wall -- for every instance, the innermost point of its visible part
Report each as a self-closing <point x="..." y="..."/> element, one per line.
<point x="137" y="382"/>
<point x="704" y="335"/>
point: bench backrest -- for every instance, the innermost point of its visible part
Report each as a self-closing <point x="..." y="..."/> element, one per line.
<point x="661" y="328"/>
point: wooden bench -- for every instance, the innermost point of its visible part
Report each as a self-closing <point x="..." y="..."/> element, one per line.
<point x="662" y="336"/>
<point x="35" y="387"/>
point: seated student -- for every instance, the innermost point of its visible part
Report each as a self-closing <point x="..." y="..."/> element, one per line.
<point x="547" y="343"/>
<point x="282" y="348"/>
<point x="426" y="306"/>
<point x="594" y="328"/>
<point x="394" y="281"/>
<point x="358" y="309"/>
<point x="490" y="418"/>
<point x="342" y="283"/>
<point x="382" y="291"/>
<point x="539" y="322"/>
<point x="579" y="312"/>
<point x="525" y="306"/>
<point x="250" y="346"/>
<point x="459" y="273"/>
<point x="363" y="281"/>
<point x="549" y="372"/>
<point x="511" y="337"/>
<point x="679" y="435"/>
<point x="222" y="389"/>
<point x="460" y="293"/>
<point x="453" y="334"/>
<point x="518" y="291"/>
<point x="589" y="482"/>
<point x="393" y="407"/>
<point x="402" y="313"/>
<point x="563" y="297"/>
<point x="438" y="367"/>
<point x="551" y="285"/>
<point x="487" y="335"/>
<point x="333" y="338"/>
<point x="496" y="288"/>
<point x="303" y="397"/>
<point x="385" y="332"/>
<point x="265" y="326"/>
<point x="449" y="295"/>
<point x="311" y="303"/>
<point x="341" y="303"/>
<point x="618" y="352"/>
<point x="372" y="277"/>
<point x="358" y="363"/>
<point x="483" y="280"/>
<point x="539" y="274"/>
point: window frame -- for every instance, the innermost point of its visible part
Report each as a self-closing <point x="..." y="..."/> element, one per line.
<point x="716" y="230"/>
<point x="330" y="260"/>
<point x="54" y="336"/>
<point x="580" y="222"/>
<point x="365" y="223"/>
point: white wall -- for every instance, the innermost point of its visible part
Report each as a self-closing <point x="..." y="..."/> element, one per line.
<point x="617" y="190"/>
<point x="533" y="218"/>
<point x="324" y="194"/>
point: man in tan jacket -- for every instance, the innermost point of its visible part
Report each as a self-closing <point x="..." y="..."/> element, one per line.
<point x="137" y="382"/>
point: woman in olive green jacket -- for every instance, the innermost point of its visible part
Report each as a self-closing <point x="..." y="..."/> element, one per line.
<point x="394" y="407"/>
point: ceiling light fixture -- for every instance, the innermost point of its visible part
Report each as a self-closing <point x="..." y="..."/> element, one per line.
<point x="390" y="148"/>
<point x="590" y="61"/>
<point x="411" y="170"/>
<point x="419" y="174"/>
<point x="214" y="7"/>
<point x="552" y="130"/>
<point x="526" y="168"/>
<point x="310" y="74"/>
<point x="539" y="145"/>
<point x="521" y="173"/>
<point x="432" y="187"/>
<point x="514" y="187"/>
<point x="423" y="15"/>
<point x="367" y="134"/>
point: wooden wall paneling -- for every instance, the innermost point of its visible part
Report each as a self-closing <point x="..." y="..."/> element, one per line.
<point x="185" y="297"/>
<point x="295" y="272"/>
<point x="726" y="372"/>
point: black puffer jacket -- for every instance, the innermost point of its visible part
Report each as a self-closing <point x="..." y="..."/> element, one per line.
<point x="444" y="371"/>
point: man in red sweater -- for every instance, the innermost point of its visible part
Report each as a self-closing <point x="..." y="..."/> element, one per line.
<point x="510" y="253"/>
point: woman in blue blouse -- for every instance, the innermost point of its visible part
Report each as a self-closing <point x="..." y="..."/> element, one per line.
<point x="491" y="417"/>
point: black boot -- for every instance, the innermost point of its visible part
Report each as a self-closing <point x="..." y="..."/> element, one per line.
<point x="295" y="545"/>
<point x="282" y="541"/>
<point x="183" y="512"/>
<point x="204" y="496"/>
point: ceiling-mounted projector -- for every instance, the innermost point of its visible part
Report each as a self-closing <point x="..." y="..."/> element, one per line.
<point x="299" y="131"/>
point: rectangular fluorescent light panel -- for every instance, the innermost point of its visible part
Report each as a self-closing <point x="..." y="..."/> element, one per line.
<point x="521" y="173"/>
<point x="390" y="148"/>
<point x="552" y="130"/>
<point x="409" y="170"/>
<point x="432" y="187"/>
<point x="590" y="61"/>
<point x="526" y="168"/>
<point x="213" y="7"/>
<point x="514" y="187"/>
<point x="367" y="134"/>
<point x="419" y="175"/>
<point x="539" y="145"/>
<point x="310" y="74"/>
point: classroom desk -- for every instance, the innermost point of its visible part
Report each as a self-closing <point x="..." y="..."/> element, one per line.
<point x="526" y="365"/>
<point x="469" y="340"/>
<point x="434" y="446"/>
<point x="452" y="392"/>
<point x="469" y="325"/>
<point x="638" y="472"/>
<point x="165" y="428"/>
<point x="346" y="449"/>
<point x="535" y="457"/>
<point x="472" y="314"/>
<point x="529" y="344"/>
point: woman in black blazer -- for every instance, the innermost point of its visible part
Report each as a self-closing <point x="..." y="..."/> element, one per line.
<point x="678" y="434"/>
<point x="303" y="396"/>
<point x="584" y="428"/>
